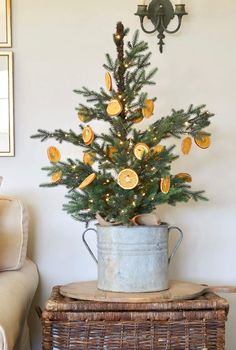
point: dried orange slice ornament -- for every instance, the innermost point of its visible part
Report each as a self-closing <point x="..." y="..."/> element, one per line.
<point x="187" y="177"/>
<point x="165" y="185"/>
<point x="158" y="149"/>
<point x="82" y="117"/>
<point x="87" y="181"/>
<point x="138" y="119"/>
<point x="148" y="108"/>
<point x="108" y="81"/>
<point x="111" y="150"/>
<point x="202" y="141"/>
<point x="139" y="116"/>
<point x="140" y="150"/>
<point x="186" y="145"/>
<point x="114" y="108"/>
<point x="88" y="135"/>
<point x="54" y="154"/>
<point x="127" y="179"/>
<point x="56" y="177"/>
<point x="88" y="158"/>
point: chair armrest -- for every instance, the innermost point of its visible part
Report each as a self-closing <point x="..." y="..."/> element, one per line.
<point x="17" y="289"/>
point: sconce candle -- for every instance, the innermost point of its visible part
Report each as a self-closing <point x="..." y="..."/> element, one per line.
<point x="161" y="12"/>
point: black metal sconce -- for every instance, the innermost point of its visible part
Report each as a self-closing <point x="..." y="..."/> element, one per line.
<point x="160" y="12"/>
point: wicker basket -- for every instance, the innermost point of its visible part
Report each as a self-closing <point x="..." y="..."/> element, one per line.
<point x="198" y="324"/>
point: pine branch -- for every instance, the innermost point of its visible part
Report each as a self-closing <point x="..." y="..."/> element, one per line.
<point x="98" y="112"/>
<point x="93" y="96"/>
<point x="60" y="136"/>
<point x="177" y="124"/>
<point x="110" y="64"/>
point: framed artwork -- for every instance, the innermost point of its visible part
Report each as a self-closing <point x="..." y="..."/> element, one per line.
<point x="5" y="23"/>
<point x="6" y="105"/>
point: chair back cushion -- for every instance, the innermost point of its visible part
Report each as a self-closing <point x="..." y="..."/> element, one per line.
<point x="13" y="234"/>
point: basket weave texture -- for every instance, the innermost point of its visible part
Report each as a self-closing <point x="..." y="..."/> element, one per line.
<point x="197" y="324"/>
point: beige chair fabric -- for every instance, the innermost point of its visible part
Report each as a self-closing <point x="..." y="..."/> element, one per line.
<point x="13" y="234"/>
<point x="17" y="289"/>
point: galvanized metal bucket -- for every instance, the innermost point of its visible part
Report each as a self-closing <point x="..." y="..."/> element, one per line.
<point x="133" y="259"/>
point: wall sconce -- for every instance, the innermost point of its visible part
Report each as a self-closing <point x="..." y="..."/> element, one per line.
<point x="160" y="12"/>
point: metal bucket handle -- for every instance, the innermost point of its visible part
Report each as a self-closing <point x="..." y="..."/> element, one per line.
<point x="169" y="229"/>
<point x="179" y="241"/>
<point x="86" y="243"/>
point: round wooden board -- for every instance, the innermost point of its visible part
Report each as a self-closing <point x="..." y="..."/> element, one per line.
<point x="88" y="291"/>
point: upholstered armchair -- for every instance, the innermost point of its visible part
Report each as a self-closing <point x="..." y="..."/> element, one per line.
<point x="18" y="276"/>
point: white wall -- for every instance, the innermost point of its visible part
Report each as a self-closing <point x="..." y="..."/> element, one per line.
<point x="59" y="45"/>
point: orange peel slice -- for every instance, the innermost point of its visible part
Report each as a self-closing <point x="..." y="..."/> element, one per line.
<point x="114" y="108"/>
<point x="56" y="177"/>
<point x="111" y="150"/>
<point x="108" y="81"/>
<point x="148" y="108"/>
<point x="88" y="158"/>
<point x="138" y="119"/>
<point x="165" y="185"/>
<point x="187" y="177"/>
<point x="203" y="141"/>
<point x="140" y="149"/>
<point x="186" y="145"/>
<point x="54" y="154"/>
<point x="88" y="135"/>
<point x="87" y="181"/>
<point x="128" y="179"/>
<point x="158" y="149"/>
<point x="82" y="117"/>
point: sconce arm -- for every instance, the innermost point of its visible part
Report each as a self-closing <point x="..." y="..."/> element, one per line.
<point x="175" y="30"/>
<point x="160" y="20"/>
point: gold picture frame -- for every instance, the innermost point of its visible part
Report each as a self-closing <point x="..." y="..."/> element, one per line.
<point x="5" y="23"/>
<point x="6" y="105"/>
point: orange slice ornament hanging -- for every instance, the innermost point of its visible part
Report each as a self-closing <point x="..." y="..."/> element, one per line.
<point x="82" y="117"/>
<point x="89" y="158"/>
<point x="56" y="177"/>
<point x="138" y="119"/>
<point x="108" y="81"/>
<point x="114" y="108"/>
<point x="128" y="179"/>
<point x="158" y="149"/>
<point x="186" y="145"/>
<point x="140" y="150"/>
<point x="165" y="185"/>
<point x="88" y="135"/>
<point x="148" y="108"/>
<point x="203" y="141"/>
<point x="111" y="150"/>
<point x="87" y="181"/>
<point x="54" y="154"/>
<point x="187" y="177"/>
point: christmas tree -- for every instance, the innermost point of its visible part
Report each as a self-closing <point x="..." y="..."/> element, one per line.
<point x="126" y="172"/>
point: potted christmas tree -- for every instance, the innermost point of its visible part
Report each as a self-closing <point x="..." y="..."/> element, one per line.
<point x="126" y="173"/>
